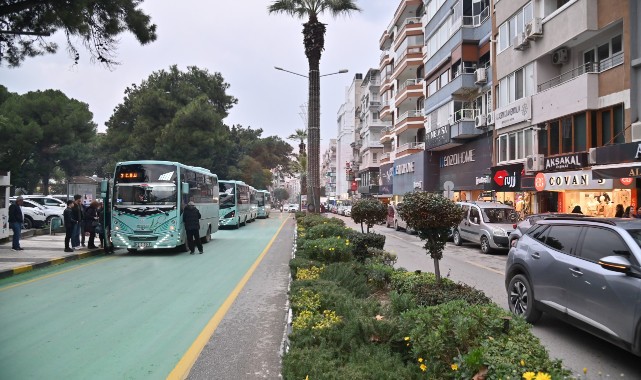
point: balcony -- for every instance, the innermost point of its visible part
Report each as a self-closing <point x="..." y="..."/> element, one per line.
<point x="386" y="111"/>
<point x="462" y="84"/>
<point x="409" y="120"/>
<point x="408" y="90"/>
<point x="476" y="20"/>
<point x="577" y="94"/>
<point x="409" y="148"/>
<point x="411" y="57"/>
<point x="412" y="26"/>
<point x="386" y="135"/>
<point x="462" y="126"/>
<point x="386" y="58"/>
<point x="385" y="158"/>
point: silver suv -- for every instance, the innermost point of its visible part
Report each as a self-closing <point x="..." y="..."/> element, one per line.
<point x="486" y="223"/>
<point x="583" y="270"/>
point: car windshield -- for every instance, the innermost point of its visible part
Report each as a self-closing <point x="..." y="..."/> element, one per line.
<point x="636" y="235"/>
<point x="499" y="215"/>
<point x="146" y="195"/>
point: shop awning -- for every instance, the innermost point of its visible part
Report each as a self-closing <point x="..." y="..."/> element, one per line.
<point x="614" y="171"/>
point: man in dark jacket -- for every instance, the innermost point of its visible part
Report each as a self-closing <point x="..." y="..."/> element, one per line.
<point x="70" y="223"/>
<point x="16" y="218"/>
<point x="191" y="219"/>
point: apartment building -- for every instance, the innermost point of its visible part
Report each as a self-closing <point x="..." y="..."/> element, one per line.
<point x="562" y="93"/>
<point x="367" y="148"/>
<point x="328" y="171"/>
<point x="346" y="121"/>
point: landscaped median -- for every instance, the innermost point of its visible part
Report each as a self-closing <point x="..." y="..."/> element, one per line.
<point x="357" y="317"/>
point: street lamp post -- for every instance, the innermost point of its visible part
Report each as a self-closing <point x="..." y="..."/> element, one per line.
<point x="313" y="136"/>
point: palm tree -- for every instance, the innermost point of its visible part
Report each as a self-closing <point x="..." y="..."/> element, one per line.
<point x="314" y="41"/>
<point x="301" y="136"/>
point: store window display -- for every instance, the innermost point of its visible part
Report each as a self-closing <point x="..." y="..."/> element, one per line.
<point x="598" y="203"/>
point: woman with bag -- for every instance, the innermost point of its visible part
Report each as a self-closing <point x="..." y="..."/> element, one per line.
<point x="91" y="221"/>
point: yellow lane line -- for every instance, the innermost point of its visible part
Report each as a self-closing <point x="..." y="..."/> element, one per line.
<point x="183" y="367"/>
<point x="485" y="267"/>
<point x="52" y="274"/>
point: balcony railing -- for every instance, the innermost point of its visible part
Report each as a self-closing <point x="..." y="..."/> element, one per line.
<point x="409" y="82"/>
<point x="465" y="114"/>
<point x="384" y="54"/>
<point x="385" y="156"/>
<point x="410" y="146"/>
<point x="590" y="67"/>
<point x="412" y="20"/>
<point x="410" y="50"/>
<point x="405" y="115"/>
<point x="478" y="19"/>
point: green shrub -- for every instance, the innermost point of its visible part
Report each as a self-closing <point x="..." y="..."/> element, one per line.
<point x="378" y="274"/>
<point x="326" y="250"/>
<point x="326" y="230"/>
<point x="368" y="211"/>
<point x="361" y="242"/>
<point x="381" y="256"/>
<point x="301" y="262"/>
<point x="347" y="275"/>
<point x="403" y="281"/>
<point x="435" y="294"/>
<point x="401" y="302"/>
<point x="307" y="221"/>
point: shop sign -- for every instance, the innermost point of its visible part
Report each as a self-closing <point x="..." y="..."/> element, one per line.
<point x="418" y="185"/>
<point x="513" y="113"/>
<point x="573" y="180"/>
<point x="506" y="178"/>
<point x="386" y="179"/>
<point x="618" y="153"/>
<point x="566" y="161"/>
<point x="437" y="137"/>
<point x="457" y="158"/>
<point x="623" y="170"/>
<point x="405" y="168"/>
<point x="483" y="180"/>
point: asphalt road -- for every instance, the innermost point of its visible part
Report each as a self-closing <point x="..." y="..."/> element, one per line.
<point x="577" y="349"/>
<point x="154" y="315"/>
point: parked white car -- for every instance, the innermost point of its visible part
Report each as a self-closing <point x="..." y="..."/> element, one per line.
<point x="34" y="214"/>
<point x="51" y="206"/>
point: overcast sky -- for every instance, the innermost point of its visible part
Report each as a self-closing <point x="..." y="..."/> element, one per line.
<point x="236" y="38"/>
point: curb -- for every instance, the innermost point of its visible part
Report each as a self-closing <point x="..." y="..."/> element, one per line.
<point x="55" y="261"/>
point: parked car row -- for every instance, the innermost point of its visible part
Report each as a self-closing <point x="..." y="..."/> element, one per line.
<point x="38" y="210"/>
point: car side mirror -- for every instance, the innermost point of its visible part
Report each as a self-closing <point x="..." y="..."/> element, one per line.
<point x="616" y="264"/>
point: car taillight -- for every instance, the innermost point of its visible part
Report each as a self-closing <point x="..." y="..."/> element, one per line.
<point x="514" y="226"/>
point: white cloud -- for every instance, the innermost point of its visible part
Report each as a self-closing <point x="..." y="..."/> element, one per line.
<point x="237" y="38"/>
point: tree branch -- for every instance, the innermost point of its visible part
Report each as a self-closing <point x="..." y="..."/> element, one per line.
<point x="19" y="7"/>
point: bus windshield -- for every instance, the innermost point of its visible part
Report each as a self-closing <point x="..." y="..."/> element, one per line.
<point x="146" y="195"/>
<point x="226" y="195"/>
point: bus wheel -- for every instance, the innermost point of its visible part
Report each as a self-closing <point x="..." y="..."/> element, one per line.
<point x="245" y="222"/>
<point x="207" y="238"/>
<point x="237" y="226"/>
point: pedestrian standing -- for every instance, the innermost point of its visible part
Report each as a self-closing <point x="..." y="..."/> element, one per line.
<point x="619" y="211"/>
<point x="577" y="210"/>
<point x="16" y="218"/>
<point x="100" y="227"/>
<point x="77" y="212"/>
<point x="191" y="219"/>
<point x="70" y="224"/>
<point x="90" y="222"/>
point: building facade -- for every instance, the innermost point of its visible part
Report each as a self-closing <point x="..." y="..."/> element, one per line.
<point x="346" y="120"/>
<point x="328" y="171"/>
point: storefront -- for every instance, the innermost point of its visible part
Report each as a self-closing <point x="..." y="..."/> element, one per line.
<point x="386" y="183"/>
<point x="505" y="186"/>
<point x="463" y="170"/>
<point x="564" y="191"/>
<point x="414" y="172"/>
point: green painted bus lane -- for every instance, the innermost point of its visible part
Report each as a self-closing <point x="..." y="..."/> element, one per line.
<point x="123" y="316"/>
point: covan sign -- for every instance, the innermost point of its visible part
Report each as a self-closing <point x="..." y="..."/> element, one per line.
<point x="515" y="112"/>
<point x="573" y="180"/>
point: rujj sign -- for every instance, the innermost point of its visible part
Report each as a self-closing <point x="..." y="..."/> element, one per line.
<point x="506" y="178"/>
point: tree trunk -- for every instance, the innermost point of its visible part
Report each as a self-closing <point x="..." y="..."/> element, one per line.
<point x="45" y="184"/>
<point x="437" y="271"/>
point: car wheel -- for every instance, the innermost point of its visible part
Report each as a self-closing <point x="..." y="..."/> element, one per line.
<point x="132" y="250"/>
<point x="457" y="238"/>
<point x="396" y="227"/>
<point x="27" y="223"/>
<point x="485" y="245"/>
<point x="521" y="299"/>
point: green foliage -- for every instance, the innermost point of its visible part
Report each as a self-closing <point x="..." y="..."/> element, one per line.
<point x="299" y="262"/>
<point x="347" y="275"/>
<point x="407" y="282"/>
<point x="327" y="230"/>
<point x="431" y="216"/>
<point x="97" y="23"/>
<point x="307" y="221"/>
<point x="381" y="256"/>
<point x="361" y="242"/>
<point x="446" y="291"/>
<point x="43" y="131"/>
<point x="401" y="302"/>
<point x="280" y="194"/>
<point x="369" y="211"/>
<point x="378" y="273"/>
<point x="326" y="250"/>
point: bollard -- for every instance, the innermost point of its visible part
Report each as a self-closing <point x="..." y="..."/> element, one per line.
<point x="54" y="224"/>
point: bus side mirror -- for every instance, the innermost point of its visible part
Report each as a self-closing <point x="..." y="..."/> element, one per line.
<point x="185" y="188"/>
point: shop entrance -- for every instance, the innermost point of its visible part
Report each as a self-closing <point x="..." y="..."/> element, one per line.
<point x="548" y="201"/>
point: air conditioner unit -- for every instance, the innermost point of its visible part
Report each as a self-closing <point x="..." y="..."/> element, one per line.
<point x="489" y="118"/>
<point x="520" y="42"/>
<point x="481" y="76"/>
<point x="479" y="121"/>
<point x="561" y="56"/>
<point x="534" y="29"/>
<point x="592" y="156"/>
<point x="636" y="131"/>
<point x="534" y="163"/>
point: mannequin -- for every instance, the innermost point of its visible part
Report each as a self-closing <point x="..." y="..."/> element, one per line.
<point x="592" y="206"/>
<point x="601" y="207"/>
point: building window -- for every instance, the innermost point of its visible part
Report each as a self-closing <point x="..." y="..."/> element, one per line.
<point x="515" y="145"/>
<point x="514" y="26"/>
<point x="516" y="85"/>
<point x="607" y="55"/>
<point x="374" y="157"/>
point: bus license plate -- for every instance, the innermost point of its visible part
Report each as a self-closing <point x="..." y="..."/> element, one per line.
<point x="143" y="244"/>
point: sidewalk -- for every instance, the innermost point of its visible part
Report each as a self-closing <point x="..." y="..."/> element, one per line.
<point x="39" y="251"/>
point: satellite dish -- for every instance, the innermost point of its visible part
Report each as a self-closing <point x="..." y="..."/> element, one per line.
<point x="448" y="186"/>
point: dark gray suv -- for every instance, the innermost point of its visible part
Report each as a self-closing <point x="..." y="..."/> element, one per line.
<point x="583" y="270"/>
